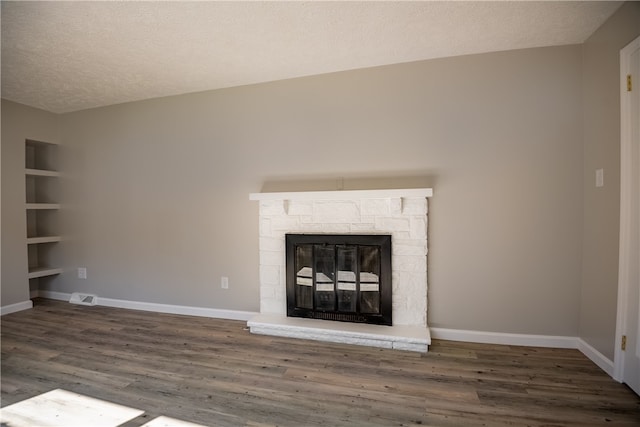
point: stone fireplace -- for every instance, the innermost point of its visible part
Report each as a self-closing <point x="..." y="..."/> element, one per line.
<point x="399" y="213"/>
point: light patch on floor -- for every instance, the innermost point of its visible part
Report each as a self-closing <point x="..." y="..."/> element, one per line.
<point x="169" y="422"/>
<point x="61" y="408"/>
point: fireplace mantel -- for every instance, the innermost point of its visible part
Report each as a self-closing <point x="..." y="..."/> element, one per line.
<point x="344" y="194"/>
<point x="401" y="213"/>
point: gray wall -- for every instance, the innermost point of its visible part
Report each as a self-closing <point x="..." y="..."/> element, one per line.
<point x="601" y="94"/>
<point x="158" y="190"/>
<point x="18" y="124"/>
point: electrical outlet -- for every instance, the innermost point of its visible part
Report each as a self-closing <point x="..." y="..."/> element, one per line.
<point x="224" y="282"/>
<point x="82" y="273"/>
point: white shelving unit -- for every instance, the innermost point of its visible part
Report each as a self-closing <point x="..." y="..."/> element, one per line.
<point x="41" y="207"/>
<point x="35" y="206"/>
<point x="43" y="239"/>
<point x="36" y="272"/>
<point x="38" y="172"/>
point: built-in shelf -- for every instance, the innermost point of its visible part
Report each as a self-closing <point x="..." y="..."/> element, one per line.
<point x="36" y="272"/>
<point x="43" y="206"/>
<point x="43" y="239"/>
<point x="41" y="172"/>
<point x="42" y="193"/>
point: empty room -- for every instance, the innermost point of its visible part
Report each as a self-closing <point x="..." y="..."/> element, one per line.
<point x="318" y="213"/>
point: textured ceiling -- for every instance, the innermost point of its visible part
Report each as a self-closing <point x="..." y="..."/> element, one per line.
<point x="68" y="56"/>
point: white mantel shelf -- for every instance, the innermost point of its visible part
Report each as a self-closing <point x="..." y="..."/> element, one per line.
<point x="344" y="194"/>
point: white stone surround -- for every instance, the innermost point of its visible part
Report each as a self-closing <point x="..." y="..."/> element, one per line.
<point x="399" y="212"/>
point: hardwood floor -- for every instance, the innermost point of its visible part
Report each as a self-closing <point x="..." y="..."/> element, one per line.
<point x="214" y="372"/>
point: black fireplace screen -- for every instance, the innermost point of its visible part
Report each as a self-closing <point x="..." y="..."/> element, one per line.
<point x="339" y="277"/>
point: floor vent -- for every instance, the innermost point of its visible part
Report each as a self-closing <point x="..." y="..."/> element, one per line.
<point x="83" y="299"/>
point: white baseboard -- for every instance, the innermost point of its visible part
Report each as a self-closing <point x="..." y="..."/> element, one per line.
<point x="527" y="340"/>
<point x="19" y="306"/>
<point x="596" y="357"/>
<point x="160" y="308"/>
<point x="553" y="341"/>
<point x="60" y="296"/>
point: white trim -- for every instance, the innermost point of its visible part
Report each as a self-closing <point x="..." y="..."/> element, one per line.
<point x="553" y="341"/>
<point x="178" y="309"/>
<point x="344" y="194"/>
<point x="61" y="296"/>
<point x="626" y="168"/>
<point x="160" y="308"/>
<point x="19" y="306"/>
<point x="549" y="341"/>
<point x="596" y="357"/>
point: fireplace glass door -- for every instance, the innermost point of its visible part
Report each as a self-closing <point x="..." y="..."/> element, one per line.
<point x="339" y="277"/>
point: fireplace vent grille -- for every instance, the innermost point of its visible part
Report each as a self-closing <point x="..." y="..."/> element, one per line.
<point x="340" y="317"/>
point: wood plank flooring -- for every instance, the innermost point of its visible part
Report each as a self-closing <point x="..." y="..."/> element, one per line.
<point x="215" y="373"/>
